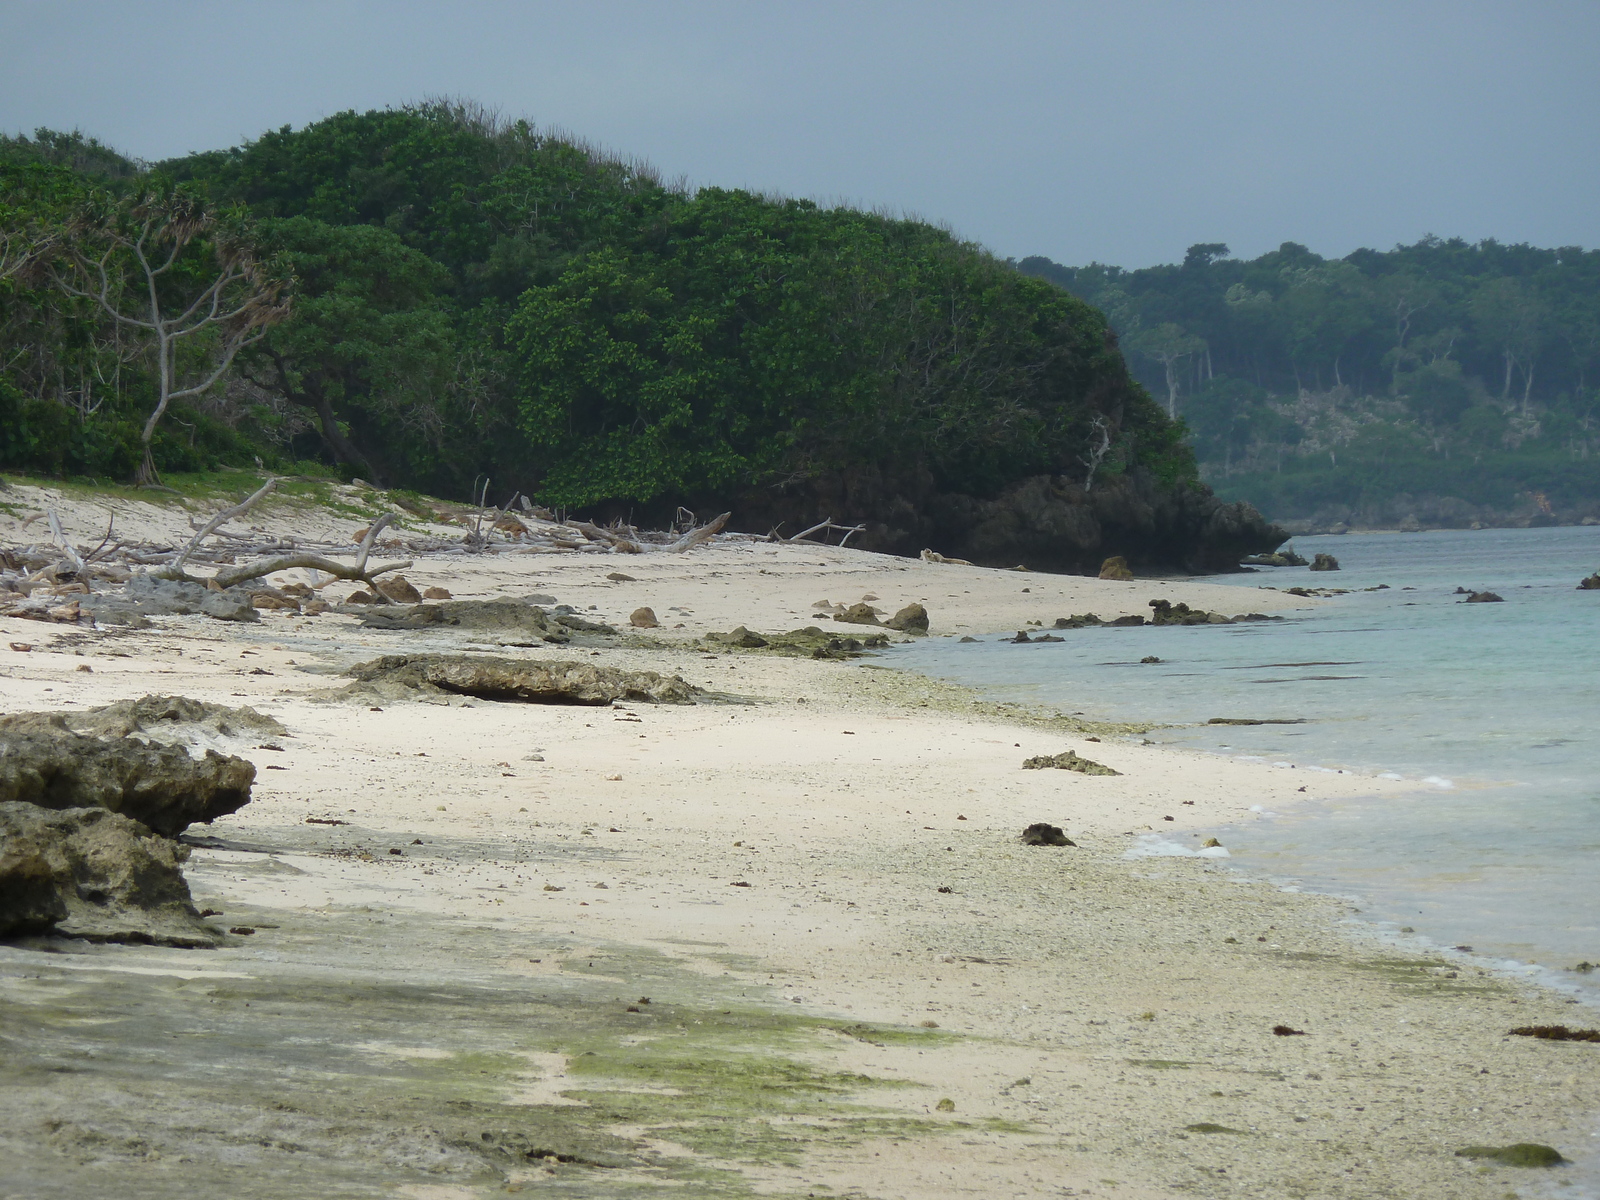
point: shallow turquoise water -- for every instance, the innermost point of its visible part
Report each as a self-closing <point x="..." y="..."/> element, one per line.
<point x="1491" y="708"/>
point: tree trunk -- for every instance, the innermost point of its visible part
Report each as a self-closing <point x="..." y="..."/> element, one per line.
<point x="343" y="448"/>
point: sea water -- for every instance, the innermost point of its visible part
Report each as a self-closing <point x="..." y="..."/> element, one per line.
<point x="1490" y="710"/>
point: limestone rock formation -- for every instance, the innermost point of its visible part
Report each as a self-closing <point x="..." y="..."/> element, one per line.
<point x="644" y="618"/>
<point x="859" y="614"/>
<point x="1115" y="567"/>
<point x="512" y="618"/>
<point x="169" y="720"/>
<point x="89" y="873"/>
<point x="1067" y="760"/>
<point x="516" y="680"/>
<point x="161" y="787"/>
<point x="1325" y="562"/>
<point x="1047" y="521"/>
<point x="150" y="596"/>
<point x="1280" y="558"/>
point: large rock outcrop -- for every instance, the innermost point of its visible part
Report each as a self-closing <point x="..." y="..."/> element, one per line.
<point x="89" y="873"/>
<point x="1045" y="522"/>
<point x="46" y="764"/>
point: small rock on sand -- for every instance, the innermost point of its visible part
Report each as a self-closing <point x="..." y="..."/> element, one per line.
<point x="1115" y="567"/>
<point x="1067" y="760"/>
<point x="859" y="614"/>
<point x="1041" y="833"/>
<point x="644" y="618"/>
<point x="398" y="588"/>
<point x="436" y="593"/>
<point x="1519" y="1154"/>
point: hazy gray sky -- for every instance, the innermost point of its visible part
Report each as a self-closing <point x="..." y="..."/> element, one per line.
<point x="1121" y="132"/>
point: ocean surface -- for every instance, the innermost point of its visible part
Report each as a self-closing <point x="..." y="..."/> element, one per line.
<point x="1493" y="710"/>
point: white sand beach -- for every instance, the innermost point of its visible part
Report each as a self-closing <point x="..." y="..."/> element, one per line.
<point x="826" y="853"/>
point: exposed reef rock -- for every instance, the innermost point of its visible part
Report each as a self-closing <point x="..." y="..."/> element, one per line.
<point x="169" y="720"/>
<point x="1115" y="567"/>
<point x="810" y="642"/>
<point x="1519" y="1154"/>
<point x="1067" y="760"/>
<point x="1042" y="833"/>
<point x="1048" y="522"/>
<point x="1591" y="584"/>
<point x="397" y="676"/>
<point x="89" y="873"/>
<point x="859" y="614"/>
<point x="161" y="787"/>
<point x="149" y="596"/>
<point x="1325" y="562"/>
<point x="509" y="618"/>
<point x="913" y="618"/>
<point x="1282" y="558"/>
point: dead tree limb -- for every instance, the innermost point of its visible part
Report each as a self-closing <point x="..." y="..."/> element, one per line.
<point x="355" y="572"/>
<point x="695" y="536"/>
<point x="824" y="527"/>
<point x="175" y="571"/>
<point x="60" y="539"/>
<point x="229" y="576"/>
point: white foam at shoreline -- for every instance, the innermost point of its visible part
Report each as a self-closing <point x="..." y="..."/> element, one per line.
<point x="1155" y="846"/>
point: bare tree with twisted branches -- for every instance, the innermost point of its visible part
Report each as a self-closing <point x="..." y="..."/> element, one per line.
<point x="174" y="270"/>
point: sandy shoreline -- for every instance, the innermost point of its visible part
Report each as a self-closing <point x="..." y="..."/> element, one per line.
<point x="413" y="1015"/>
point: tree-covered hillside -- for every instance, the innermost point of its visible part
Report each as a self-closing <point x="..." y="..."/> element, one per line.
<point x="429" y="297"/>
<point x="1452" y="380"/>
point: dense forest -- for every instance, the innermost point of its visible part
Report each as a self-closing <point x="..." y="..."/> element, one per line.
<point x="1441" y="380"/>
<point x="432" y="297"/>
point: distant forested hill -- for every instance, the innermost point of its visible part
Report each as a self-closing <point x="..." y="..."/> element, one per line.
<point x="1441" y="382"/>
<point x="430" y="296"/>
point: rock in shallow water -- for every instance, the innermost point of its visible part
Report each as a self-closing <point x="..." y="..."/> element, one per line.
<point x="89" y="873"/>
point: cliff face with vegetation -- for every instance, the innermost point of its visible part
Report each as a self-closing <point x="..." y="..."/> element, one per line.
<point x="1442" y="383"/>
<point x="439" y="297"/>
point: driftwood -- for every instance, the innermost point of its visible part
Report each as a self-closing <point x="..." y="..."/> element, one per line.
<point x="175" y="571"/>
<point x="74" y="560"/>
<point x="823" y="527"/>
<point x="230" y="575"/>
<point x="695" y="536"/>
<point x="356" y="572"/>
<point x="617" y="541"/>
<point x="41" y="581"/>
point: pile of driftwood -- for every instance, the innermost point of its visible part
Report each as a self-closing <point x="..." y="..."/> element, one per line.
<point x="42" y="581"/>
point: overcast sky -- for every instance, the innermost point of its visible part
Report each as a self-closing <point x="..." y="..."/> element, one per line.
<point x="1120" y="132"/>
